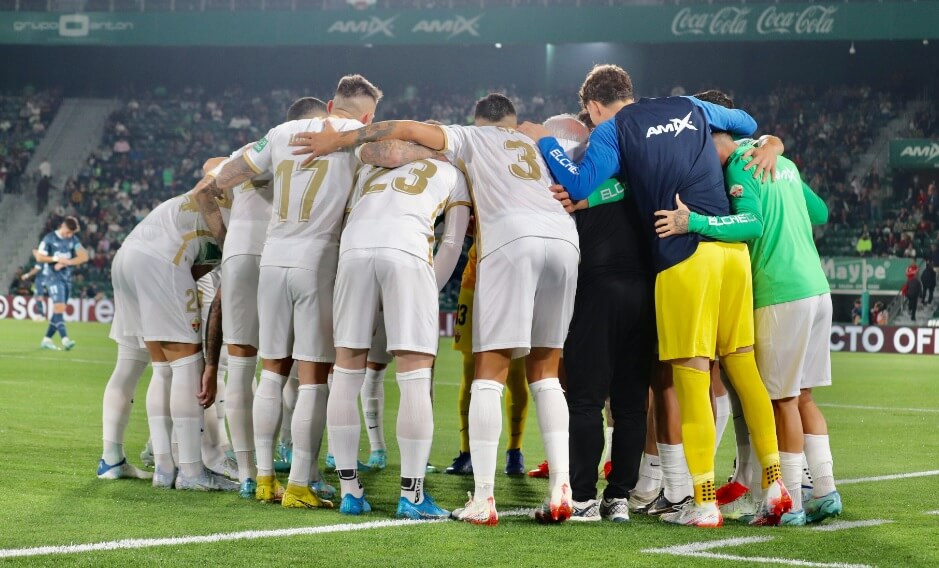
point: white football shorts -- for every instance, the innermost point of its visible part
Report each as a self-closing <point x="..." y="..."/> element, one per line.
<point x="525" y="295"/>
<point x="792" y="345"/>
<point x="406" y="288"/>
<point x="295" y="308"/>
<point x="154" y="300"/>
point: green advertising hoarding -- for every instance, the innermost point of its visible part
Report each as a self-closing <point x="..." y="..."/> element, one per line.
<point x="625" y="24"/>
<point x="914" y="153"/>
<point x="848" y="274"/>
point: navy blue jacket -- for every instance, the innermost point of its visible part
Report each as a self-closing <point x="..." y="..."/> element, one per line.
<point x="660" y="148"/>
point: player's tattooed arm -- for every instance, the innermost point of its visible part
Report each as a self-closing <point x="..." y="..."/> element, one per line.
<point x="233" y="173"/>
<point x="327" y="142"/>
<point x="207" y="193"/>
<point x="213" y="350"/>
<point x="393" y="153"/>
<point x="673" y="222"/>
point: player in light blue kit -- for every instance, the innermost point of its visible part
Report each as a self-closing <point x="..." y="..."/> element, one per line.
<point x="58" y="252"/>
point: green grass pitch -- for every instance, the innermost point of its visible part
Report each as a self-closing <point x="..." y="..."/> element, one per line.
<point x="50" y="428"/>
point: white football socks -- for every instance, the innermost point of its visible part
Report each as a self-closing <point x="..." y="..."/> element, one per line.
<point x="791" y="468"/>
<point x="309" y="417"/>
<point x="212" y="453"/>
<point x="554" y="422"/>
<point x="239" y="397"/>
<point x="415" y="431"/>
<point x="678" y="483"/>
<point x="158" y="417"/>
<point x="291" y="389"/>
<point x="742" y="469"/>
<point x="650" y="474"/>
<point x="607" y="445"/>
<point x="806" y="472"/>
<point x="329" y="443"/>
<point x="222" y="433"/>
<point x="721" y="415"/>
<point x="118" y="398"/>
<point x="266" y="411"/>
<point x="342" y="419"/>
<point x="485" y="426"/>
<point x="818" y="454"/>
<point x="187" y="413"/>
<point x="373" y="404"/>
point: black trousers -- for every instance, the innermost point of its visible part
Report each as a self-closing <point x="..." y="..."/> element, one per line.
<point x="913" y="300"/>
<point x="927" y="294"/>
<point x="609" y="353"/>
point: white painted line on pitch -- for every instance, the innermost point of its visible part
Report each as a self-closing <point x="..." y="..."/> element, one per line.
<point x="844" y="525"/>
<point x="62" y="360"/>
<point x="859" y="407"/>
<point x="888" y="477"/>
<point x="135" y="543"/>
<point x="129" y="544"/>
<point x="516" y="513"/>
<point x="708" y="545"/>
<point x="773" y="560"/>
<point x="700" y="550"/>
<point x="932" y="512"/>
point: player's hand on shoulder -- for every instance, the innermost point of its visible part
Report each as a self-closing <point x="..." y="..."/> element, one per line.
<point x="316" y="143"/>
<point x="534" y="131"/>
<point x="763" y="159"/>
<point x="673" y="222"/>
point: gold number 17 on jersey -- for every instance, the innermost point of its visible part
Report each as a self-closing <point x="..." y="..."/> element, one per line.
<point x="284" y="174"/>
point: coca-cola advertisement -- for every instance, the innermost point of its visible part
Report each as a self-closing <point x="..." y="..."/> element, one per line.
<point x="816" y="20"/>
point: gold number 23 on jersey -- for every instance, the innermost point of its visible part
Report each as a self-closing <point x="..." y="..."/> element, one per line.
<point x="527" y="156"/>
<point x="422" y="171"/>
<point x="283" y="174"/>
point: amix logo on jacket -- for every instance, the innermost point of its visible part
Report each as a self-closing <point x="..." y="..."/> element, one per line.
<point x="676" y="125"/>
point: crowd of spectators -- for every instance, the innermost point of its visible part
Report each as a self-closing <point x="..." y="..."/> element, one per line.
<point x="24" y="118"/>
<point x="925" y="123"/>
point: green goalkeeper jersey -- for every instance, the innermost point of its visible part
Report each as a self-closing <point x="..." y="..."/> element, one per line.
<point x="775" y="218"/>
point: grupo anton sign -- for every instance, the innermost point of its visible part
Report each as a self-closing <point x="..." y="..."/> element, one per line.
<point x="885" y="339"/>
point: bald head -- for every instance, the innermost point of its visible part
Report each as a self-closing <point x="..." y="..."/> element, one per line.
<point x="571" y="133"/>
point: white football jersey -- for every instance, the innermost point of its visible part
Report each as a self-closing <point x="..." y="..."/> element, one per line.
<point x="396" y="208"/>
<point x="309" y="202"/>
<point x="509" y="183"/>
<point x="176" y="232"/>
<point x="250" y="204"/>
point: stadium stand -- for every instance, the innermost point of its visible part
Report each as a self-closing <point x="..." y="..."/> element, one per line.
<point x="23" y="121"/>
